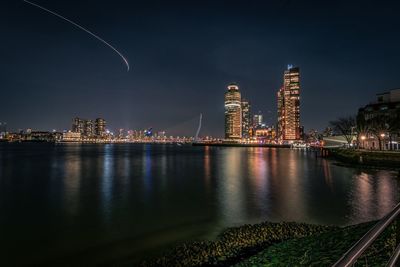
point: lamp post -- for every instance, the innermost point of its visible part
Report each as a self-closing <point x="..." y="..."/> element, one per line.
<point x="363" y="139"/>
<point x="383" y="140"/>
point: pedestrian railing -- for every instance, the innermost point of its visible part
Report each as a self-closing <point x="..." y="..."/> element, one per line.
<point x="352" y="255"/>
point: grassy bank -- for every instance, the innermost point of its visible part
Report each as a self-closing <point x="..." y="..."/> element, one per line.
<point x="380" y="159"/>
<point x="235" y="244"/>
<point x="280" y="244"/>
<point x="325" y="249"/>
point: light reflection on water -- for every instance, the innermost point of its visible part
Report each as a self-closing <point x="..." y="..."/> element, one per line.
<point x="147" y="165"/>
<point x="258" y="167"/>
<point x="230" y="187"/>
<point x="95" y="203"/>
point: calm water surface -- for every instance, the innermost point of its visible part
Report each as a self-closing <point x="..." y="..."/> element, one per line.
<point x="75" y="203"/>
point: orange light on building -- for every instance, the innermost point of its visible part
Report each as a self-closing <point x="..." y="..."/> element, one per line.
<point x="289" y="106"/>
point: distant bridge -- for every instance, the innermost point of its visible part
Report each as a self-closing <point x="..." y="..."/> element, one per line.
<point x="334" y="141"/>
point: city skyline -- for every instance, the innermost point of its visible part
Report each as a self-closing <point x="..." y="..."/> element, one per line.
<point x="183" y="56"/>
<point x="200" y="133"/>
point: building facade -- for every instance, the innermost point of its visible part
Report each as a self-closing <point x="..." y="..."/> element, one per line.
<point x="288" y="102"/>
<point x="100" y="127"/>
<point x="71" y="137"/>
<point x="78" y="125"/>
<point x="265" y="134"/>
<point x="257" y="120"/>
<point x="88" y="128"/>
<point x="246" y="119"/>
<point x="382" y="119"/>
<point x="233" y="113"/>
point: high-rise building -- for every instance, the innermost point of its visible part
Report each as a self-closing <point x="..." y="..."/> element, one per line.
<point x="100" y="127"/>
<point x="78" y="125"/>
<point x="289" y="106"/>
<point x="281" y="113"/>
<point x="83" y="126"/>
<point x="233" y="113"/>
<point x="89" y="128"/>
<point x="257" y="120"/>
<point x="301" y="132"/>
<point x="246" y="119"/>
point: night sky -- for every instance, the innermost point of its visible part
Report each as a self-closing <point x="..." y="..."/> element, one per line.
<point x="183" y="54"/>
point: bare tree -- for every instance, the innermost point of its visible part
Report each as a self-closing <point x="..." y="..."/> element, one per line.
<point x="345" y="126"/>
<point x="362" y="128"/>
<point x="379" y="126"/>
<point x="393" y="127"/>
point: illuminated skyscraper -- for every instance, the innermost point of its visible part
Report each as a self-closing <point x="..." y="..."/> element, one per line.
<point x="83" y="126"/>
<point x="289" y="106"/>
<point x="100" y="127"/>
<point x="281" y="114"/>
<point x="246" y="119"/>
<point x="89" y="128"/>
<point x="257" y="120"/>
<point x="233" y="113"/>
<point x="78" y="125"/>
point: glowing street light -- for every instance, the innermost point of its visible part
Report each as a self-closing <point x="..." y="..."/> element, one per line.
<point x="363" y="137"/>
<point x="382" y="135"/>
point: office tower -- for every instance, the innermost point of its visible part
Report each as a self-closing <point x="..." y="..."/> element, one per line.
<point x="89" y="128"/>
<point x="78" y="125"/>
<point x="100" y="127"/>
<point x="281" y="114"/>
<point x="246" y="119"/>
<point x="83" y="126"/>
<point x="233" y="113"/>
<point x="301" y="132"/>
<point x="288" y="98"/>
<point x="257" y="120"/>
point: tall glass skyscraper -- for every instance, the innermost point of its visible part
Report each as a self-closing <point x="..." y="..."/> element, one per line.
<point x="100" y="127"/>
<point x="233" y="113"/>
<point x="289" y="106"/>
<point x="78" y="125"/>
<point x="257" y="120"/>
<point x="246" y="119"/>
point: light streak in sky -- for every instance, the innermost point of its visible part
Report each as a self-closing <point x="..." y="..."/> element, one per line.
<point x="83" y="29"/>
<point x="198" y="129"/>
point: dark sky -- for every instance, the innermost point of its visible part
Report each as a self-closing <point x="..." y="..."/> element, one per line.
<point x="184" y="53"/>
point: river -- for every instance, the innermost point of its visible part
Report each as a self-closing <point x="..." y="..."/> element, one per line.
<point x="117" y="203"/>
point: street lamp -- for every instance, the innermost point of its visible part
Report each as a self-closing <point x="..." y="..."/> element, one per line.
<point x="363" y="138"/>
<point x="383" y="141"/>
